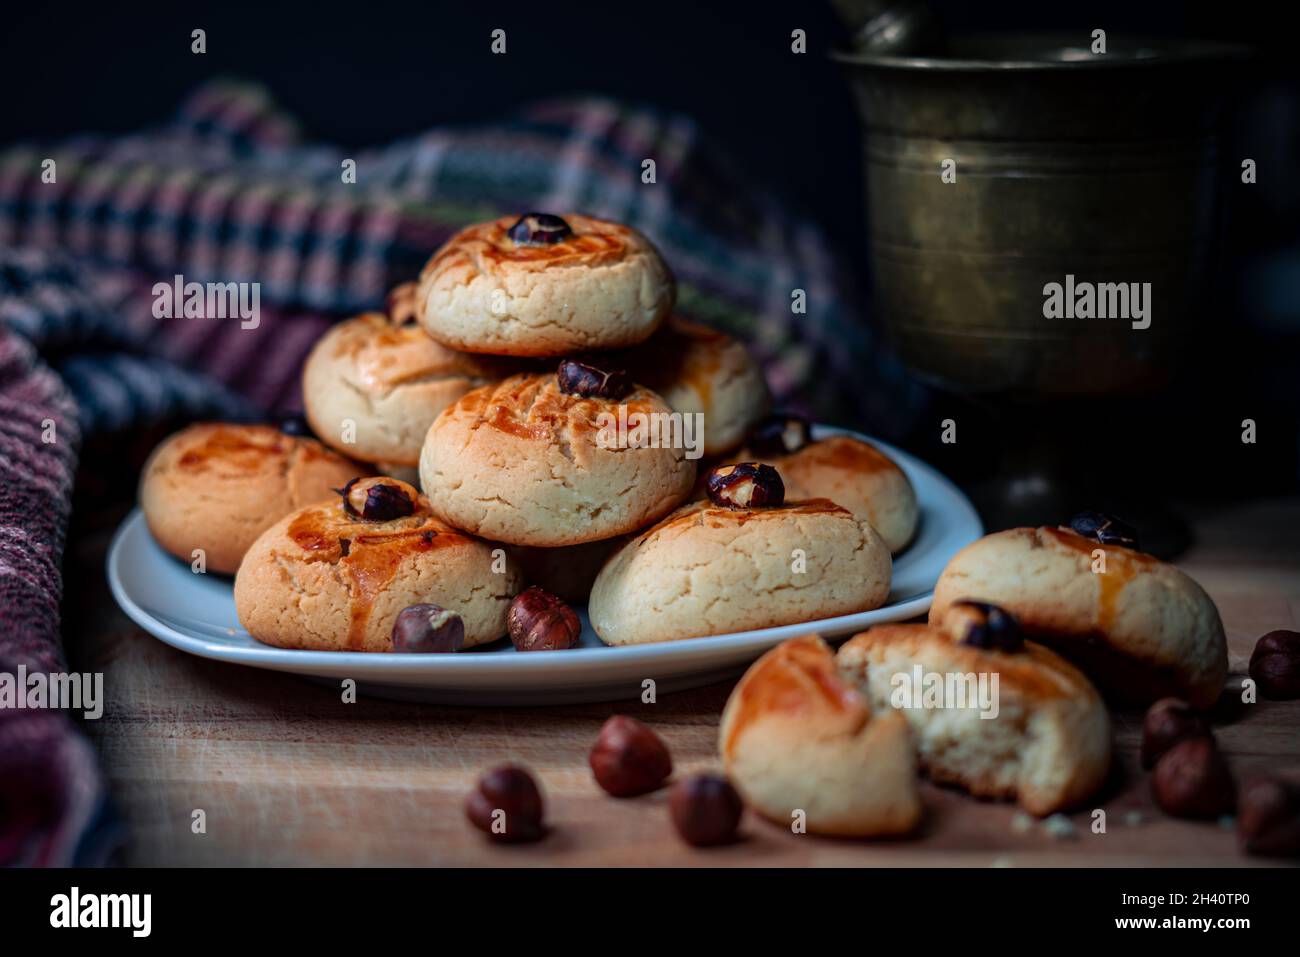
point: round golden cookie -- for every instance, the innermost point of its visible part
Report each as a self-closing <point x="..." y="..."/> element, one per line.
<point x="1040" y="735"/>
<point x="523" y="462"/>
<point x="709" y="570"/>
<point x="371" y="387"/>
<point x="701" y="370"/>
<point x="216" y="487"/>
<point x="858" y="476"/>
<point x="800" y="742"/>
<point x="1141" y="629"/>
<point x="602" y="287"/>
<point x="326" y="580"/>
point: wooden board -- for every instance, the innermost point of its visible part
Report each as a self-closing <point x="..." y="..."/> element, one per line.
<point x="287" y="774"/>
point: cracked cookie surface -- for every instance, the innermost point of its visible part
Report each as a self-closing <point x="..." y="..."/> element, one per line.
<point x="603" y="287"/>
<point x="389" y="379"/>
<point x="706" y="570"/>
<point x="216" y="487"/>
<point x="698" y="369"/>
<point x="522" y="462"/>
<point x="320" y="579"/>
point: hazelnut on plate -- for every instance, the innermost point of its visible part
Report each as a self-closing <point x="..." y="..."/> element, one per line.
<point x="538" y="621"/>
<point x="427" y="628"/>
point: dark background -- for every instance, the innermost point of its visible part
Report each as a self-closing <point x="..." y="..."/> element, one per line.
<point x="364" y="73"/>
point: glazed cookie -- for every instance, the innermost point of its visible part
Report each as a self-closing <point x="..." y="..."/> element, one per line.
<point x="1141" y="629"/>
<point x="216" y="487"/>
<point x="334" y="576"/>
<point x="713" y="569"/>
<point x="845" y="470"/>
<point x="700" y="370"/>
<point x="389" y="380"/>
<point x="795" y="737"/>
<point x="540" y="285"/>
<point x="542" y="459"/>
<point x="990" y="712"/>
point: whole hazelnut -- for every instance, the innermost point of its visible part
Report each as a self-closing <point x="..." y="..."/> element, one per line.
<point x="1268" y="817"/>
<point x="538" y="621"/>
<point x="778" y="434"/>
<point x="507" y="806"/>
<point x="539" y="229"/>
<point x="984" y="625"/>
<point x="428" y="628"/>
<point x="1167" y="722"/>
<point x="706" y="810"/>
<point x="1275" y="665"/>
<point x="1105" y="529"/>
<point x="747" y="485"/>
<point x="591" y="381"/>
<point x="378" y="499"/>
<point x="1192" y="779"/>
<point x="628" y="758"/>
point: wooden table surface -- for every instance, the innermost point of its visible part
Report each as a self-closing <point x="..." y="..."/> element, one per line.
<point x="287" y="774"/>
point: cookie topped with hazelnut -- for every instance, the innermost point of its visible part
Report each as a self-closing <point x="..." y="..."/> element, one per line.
<point x="337" y="575"/>
<point x="844" y="469"/>
<point x="703" y="371"/>
<point x="1140" y="628"/>
<point x="543" y="284"/>
<point x="214" y="487"/>
<point x="990" y="712"/>
<point x="373" y="385"/>
<point x="714" y="569"/>
<point x="552" y="459"/>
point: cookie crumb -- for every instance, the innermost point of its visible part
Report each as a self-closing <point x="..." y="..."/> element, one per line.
<point x="1059" y="827"/>
<point x="1022" y="823"/>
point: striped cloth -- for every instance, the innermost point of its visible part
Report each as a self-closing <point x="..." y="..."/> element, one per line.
<point x="228" y="192"/>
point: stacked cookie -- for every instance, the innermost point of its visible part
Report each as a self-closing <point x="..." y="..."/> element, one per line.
<point x="539" y="417"/>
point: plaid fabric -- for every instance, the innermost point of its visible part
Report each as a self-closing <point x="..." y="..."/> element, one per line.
<point x="227" y="192"/>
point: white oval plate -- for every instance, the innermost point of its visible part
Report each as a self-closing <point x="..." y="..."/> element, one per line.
<point x="196" y="613"/>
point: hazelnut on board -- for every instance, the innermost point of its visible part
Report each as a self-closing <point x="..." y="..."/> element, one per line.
<point x="507" y="806"/>
<point x="1192" y="779"/>
<point x="706" y="810"/>
<point x="1268" y="817"/>
<point x="628" y="758"/>
<point x="1275" y="665"/>
<point x="1167" y="722"/>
